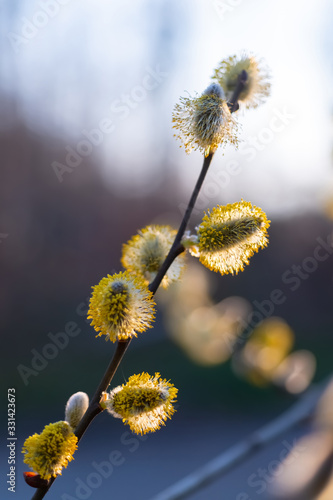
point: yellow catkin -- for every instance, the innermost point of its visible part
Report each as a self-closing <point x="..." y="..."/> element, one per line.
<point x="229" y="235"/>
<point x="49" y="452"/>
<point x="145" y="252"/>
<point x="204" y="122"/>
<point x="121" y="305"/>
<point x="257" y="86"/>
<point x="144" y="402"/>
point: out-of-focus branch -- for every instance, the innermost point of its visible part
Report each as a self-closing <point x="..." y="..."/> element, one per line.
<point x="238" y="453"/>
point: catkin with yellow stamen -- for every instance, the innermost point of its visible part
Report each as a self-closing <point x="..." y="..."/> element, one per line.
<point x="144" y="402"/>
<point x="121" y="305"/>
<point x="257" y="85"/>
<point x="49" y="452"/>
<point x="205" y="122"/>
<point x="229" y="235"/>
<point x="145" y="253"/>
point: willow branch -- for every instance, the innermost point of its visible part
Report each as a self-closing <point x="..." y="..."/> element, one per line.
<point x="240" y="452"/>
<point x="177" y="248"/>
<point x="94" y="408"/>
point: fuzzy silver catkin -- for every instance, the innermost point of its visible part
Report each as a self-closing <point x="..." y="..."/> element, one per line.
<point x="75" y="408"/>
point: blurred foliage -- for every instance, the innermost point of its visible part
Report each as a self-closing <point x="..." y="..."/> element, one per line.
<point x="208" y="333"/>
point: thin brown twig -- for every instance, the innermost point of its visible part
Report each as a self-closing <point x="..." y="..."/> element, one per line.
<point x="177" y="248"/>
<point x="94" y="408"/>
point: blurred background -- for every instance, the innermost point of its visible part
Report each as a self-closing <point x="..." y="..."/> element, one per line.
<point x="88" y="157"/>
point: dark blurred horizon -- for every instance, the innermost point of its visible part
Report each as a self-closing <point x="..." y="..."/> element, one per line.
<point x="62" y="238"/>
